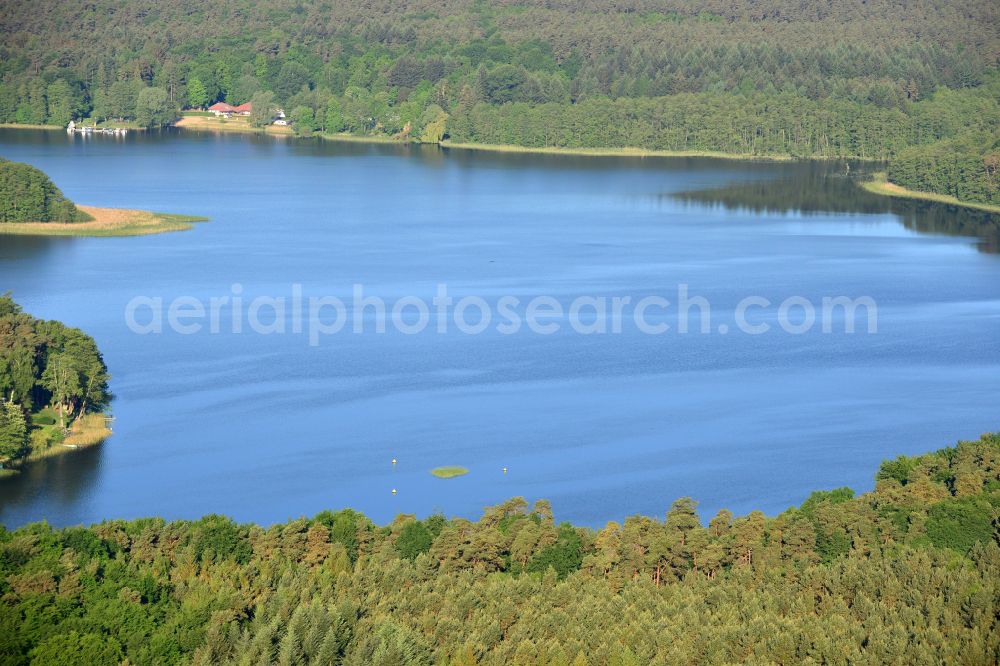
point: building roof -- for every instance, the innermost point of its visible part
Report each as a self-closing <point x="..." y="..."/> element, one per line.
<point x="246" y="106"/>
<point x="220" y="106"/>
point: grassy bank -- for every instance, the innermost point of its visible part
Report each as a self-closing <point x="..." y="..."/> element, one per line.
<point x="211" y="123"/>
<point x="613" y="152"/>
<point x="879" y="185"/>
<point x="208" y="122"/>
<point x="89" y="430"/>
<point x="47" y="439"/>
<point x="355" y="138"/>
<point x="106" y="222"/>
<point x="586" y="152"/>
<point x="30" y="126"/>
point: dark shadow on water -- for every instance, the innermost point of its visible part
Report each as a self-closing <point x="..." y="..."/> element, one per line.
<point x="61" y="480"/>
<point x="20" y="247"/>
<point x="818" y="188"/>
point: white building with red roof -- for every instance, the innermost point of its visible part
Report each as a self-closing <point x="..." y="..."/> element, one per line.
<point x="222" y="109"/>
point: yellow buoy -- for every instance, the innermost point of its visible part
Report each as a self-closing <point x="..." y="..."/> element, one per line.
<point x="504" y="470"/>
<point x="393" y="491"/>
<point x="393" y="461"/>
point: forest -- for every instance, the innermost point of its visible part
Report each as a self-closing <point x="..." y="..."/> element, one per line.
<point x="918" y="86"/>
<point x="27" y="195"/>
<point x="51" y="376"/>
<point x="908" y="573"/>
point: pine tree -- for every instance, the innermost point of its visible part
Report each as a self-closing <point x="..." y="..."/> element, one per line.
<point x="13" y="432"/>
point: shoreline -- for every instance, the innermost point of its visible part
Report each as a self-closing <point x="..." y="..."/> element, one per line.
<point x="87" y="432"/>
<point x="191" y="122"/>
<point x="879" y="185"/>
<point x="627" y="152"/>
<point x="130" y="126"/>
<point x="30" y="126"/>
<point x="344" y="137"/>
<point x="106" y="222"/>
<point x="583" y="152"/>
<point x="211" y="124"/>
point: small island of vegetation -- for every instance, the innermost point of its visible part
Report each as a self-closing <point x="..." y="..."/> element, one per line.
<point x="449" y="471"/>
<point x="31" y="204"/>
<point x="53" y="388"/>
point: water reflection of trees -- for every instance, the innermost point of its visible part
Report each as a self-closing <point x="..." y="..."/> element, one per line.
<point x="13" y="247"/>
<point x="61" y="481"/>
<point x="826" y="188"/>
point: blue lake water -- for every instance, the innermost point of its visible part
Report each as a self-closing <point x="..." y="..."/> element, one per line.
<point x="267" y="427"/>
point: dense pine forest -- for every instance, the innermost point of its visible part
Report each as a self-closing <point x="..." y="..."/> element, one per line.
<point x="917" y="84"/>
<point x="905" y="574"/>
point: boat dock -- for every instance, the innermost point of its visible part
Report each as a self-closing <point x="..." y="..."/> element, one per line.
<point x="73" y="128"/>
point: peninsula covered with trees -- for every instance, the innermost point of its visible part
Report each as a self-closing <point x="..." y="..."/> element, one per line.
<point x="31" y="205"/>
<point x="53" y="387"/>
<point x="908" y="573"/>
<point x="916" y="85"/>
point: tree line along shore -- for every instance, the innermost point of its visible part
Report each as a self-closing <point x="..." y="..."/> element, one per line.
<point x="115" y="222"/>
<point x="917" y="87"/>
<point x="906" y="573"/>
